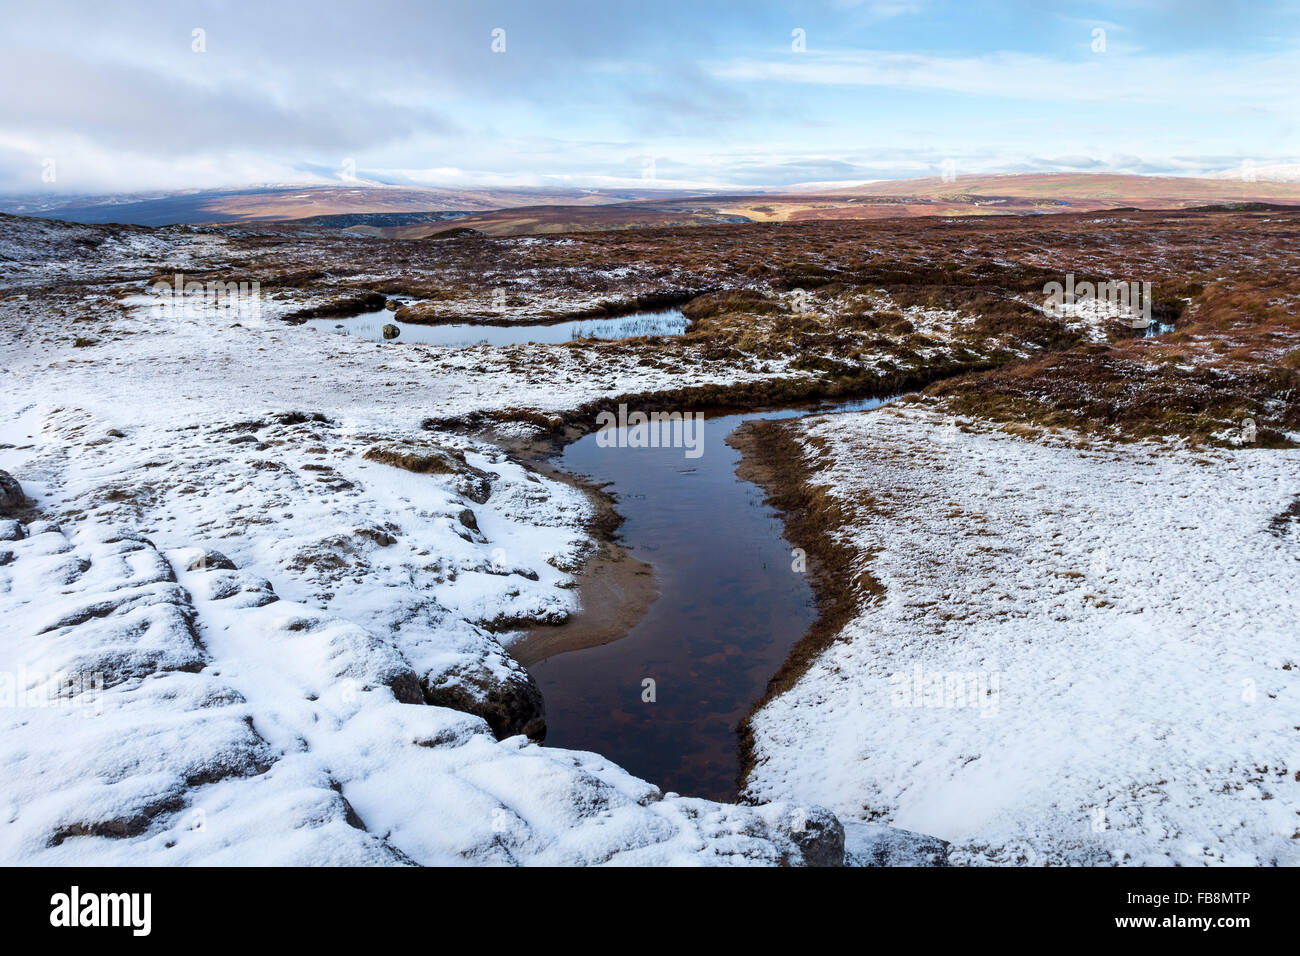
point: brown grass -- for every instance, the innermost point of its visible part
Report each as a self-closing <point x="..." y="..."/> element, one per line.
<point x="421" y="459"/>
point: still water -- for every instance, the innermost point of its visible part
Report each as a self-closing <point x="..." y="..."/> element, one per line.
<point x="729" y="611"/>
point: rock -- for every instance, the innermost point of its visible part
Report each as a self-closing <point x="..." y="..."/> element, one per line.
<point x="379" y="536"/>
<point x="391" y="331"/>
<point x="11" y="530"/>
<point x="391" y="305"/>
<point x="210" y="560"/>
<point x="406" y="688"/>
<point x="475" y="485"/>
<point x="874" y="844"/>
<point x="299" y="418"/>
<point x="510" y="705"/>
<point x="467" y="518"/>
<point x="816" y="831"/>
<point x="12" y="498"/>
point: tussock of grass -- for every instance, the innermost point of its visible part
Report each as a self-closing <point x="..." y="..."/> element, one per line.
<point x="341" y="307"/>
<point x="421" y="459"/>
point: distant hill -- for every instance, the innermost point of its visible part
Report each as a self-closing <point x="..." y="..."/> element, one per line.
<point x="412" y="212"/>
<point x="1011" y="194"/>
<point x="283" y="203"/>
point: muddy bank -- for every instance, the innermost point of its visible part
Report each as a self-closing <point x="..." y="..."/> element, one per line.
<point x="554" y="430"/>
<point x="614" y="588"/>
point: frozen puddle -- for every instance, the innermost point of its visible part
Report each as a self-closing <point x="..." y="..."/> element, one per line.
<point x="730" y="609"/>
<point x="371" y="326"/>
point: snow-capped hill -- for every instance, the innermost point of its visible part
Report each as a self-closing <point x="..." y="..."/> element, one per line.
<point x="1263" y="173"/>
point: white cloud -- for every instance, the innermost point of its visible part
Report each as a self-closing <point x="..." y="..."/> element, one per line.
<point x="1195" y="81"/>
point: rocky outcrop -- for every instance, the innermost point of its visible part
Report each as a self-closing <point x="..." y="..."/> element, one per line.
<point x="814" y="833"/>
<point x="12" y="499"/>
<point x="209" y="560"/>
<point x="510" y="702"/>
<point x="820" y="839"/>
<point x="874" y="844"/>
<point x="467" y="518"/>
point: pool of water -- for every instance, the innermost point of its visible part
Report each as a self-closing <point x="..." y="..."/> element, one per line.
<point x="730" y="609"/>
<point x="371" y="326"/>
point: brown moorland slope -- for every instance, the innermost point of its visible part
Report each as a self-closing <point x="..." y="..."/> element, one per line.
<point x="1014" y="194"/>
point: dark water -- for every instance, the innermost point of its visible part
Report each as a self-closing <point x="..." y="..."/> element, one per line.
<point x="371" y="326"/>
<point x="730" y="609"/>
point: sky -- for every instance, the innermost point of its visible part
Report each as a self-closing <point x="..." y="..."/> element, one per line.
<point x="124" y="97"/>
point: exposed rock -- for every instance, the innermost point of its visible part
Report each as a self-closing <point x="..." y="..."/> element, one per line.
<point x="211" y="561"/>
<point x="466" y="517"/>
<point x="406" y="688"/>
<point x="874" y="844"/>
<point x="239" y="587"/>
<point x="510" y="705"/>
<point x="121" y="826"/>
<point x="12" y="498"/>
<point x="815" y="831"/>
<point x="380" y="536"/>
<point x="391" y="331"/>
<point x="300" y="418"/>
<point x="475" y="485"/>
<point x="391" y="305"/>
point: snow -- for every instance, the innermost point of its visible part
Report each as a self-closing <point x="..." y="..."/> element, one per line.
<point x="160" y="704"/>
<point x="224" y="724"/>
<point x="1084" y="653"/>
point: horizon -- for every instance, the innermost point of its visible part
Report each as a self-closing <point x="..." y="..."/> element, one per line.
<point x="160" y="98"/>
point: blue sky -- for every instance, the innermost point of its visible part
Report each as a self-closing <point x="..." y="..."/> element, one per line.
<point x="116" y="97"/>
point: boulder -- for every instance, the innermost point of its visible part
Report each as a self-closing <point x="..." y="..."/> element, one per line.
<point x="816" y="833"/>
<point x="511" y="704"/>
<point x="391" y="331"/>
<point x="12" y="499"/>
<point x="209" y="560"/>
<point x="874" y="844"/>
<point x="467" y="518"/>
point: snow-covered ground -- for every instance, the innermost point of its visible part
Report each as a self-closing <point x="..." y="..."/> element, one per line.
<point x="1083" y="653"/>
<point x="250" y="611"/>
<point x="219" y="620"/>
<point x="224" y="726"/>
